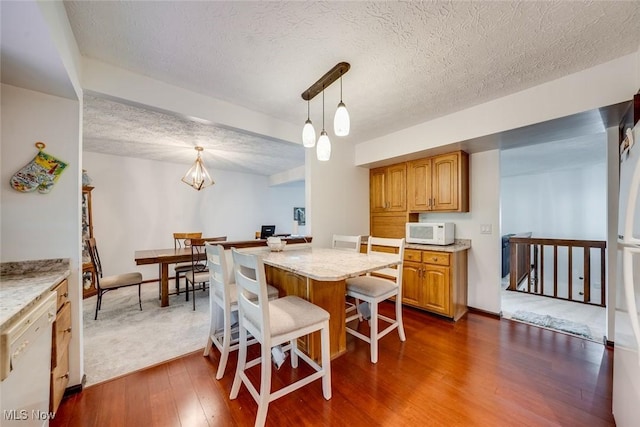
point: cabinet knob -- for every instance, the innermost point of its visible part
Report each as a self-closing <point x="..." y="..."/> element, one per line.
<point x="66" y="294"/>
<point x="64" y="376"/>
<point x="67" y="330"/>
<point x="435" y="259"/>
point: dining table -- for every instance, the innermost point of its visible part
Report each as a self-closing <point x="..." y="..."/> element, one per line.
<point x="169" y="256"/>
<point x="319" y="276"/>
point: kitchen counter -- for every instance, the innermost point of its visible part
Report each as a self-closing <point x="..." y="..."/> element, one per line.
<point x="24" y="283"/>
<point x="457" y="246"/>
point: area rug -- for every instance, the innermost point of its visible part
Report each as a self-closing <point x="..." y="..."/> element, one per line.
<point x="125" y="339"/>
<point x="555" y="323"/>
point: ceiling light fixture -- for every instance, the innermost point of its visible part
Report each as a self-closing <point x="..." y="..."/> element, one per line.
<point x="197" y="176"/>
<point x="323" y="150"/>
<point x="308" y="132"/>
<point x="341" y="120"/>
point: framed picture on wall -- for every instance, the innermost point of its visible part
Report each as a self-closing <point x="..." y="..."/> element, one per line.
<point x="298" y="215"/>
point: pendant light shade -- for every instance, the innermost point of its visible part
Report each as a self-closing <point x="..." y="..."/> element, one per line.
<point x="308" y="132"/>
<point x="323" y="150"/>
<point x="197" y="176"/>
<point x="341" y="121"/>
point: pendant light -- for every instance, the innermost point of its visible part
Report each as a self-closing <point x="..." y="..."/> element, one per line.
<point x="341" y="125"/>
<point x="341" y="122"/>
<point x="323" y="150"/>
<point x="197" y="176"/>
<point x="308" y="132"/>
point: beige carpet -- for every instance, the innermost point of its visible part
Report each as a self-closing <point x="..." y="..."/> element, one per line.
<point x="125" y="339"/>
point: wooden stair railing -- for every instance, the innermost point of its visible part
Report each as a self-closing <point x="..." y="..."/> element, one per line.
<point x="527" y="262"/>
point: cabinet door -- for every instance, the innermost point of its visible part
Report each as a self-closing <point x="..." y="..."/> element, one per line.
<point x="436" y="289"/>
<point x="396" y="191"/>
<point x="377" y="182"/>
<point x="411" y="283"/>
<point x="445" y="182"/>
<point x="419" y="185"/>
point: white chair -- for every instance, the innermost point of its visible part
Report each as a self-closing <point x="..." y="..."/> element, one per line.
<point x="376" y="288"/>
<point x="347" y="243"/>
<point x="223" y="302"/>
<point x="273" y="323"/>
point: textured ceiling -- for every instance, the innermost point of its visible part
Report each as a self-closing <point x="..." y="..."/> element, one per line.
<point x="410" y="61"/>
<point x="111" y="127"/>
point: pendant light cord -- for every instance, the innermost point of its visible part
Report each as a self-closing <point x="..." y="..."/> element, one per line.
<point x="323" y="108"/>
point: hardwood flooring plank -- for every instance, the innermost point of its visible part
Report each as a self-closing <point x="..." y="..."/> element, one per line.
<point x="477" y="371"/>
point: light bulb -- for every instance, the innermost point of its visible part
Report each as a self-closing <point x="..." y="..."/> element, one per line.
<point x="308" y="134"/>
<point x="323" y="150"/>
<point x="341" y="122"/>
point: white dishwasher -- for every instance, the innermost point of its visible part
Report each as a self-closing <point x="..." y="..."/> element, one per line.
<point x="25" y="367"/>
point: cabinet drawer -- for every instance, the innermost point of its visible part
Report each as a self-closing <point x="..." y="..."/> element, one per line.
<point x="61" y="334"/>
<point x="413" y="255"/>
<point x="59" y="382"/>
<point x="439" y="258"/>
<point x="62" y="290"/>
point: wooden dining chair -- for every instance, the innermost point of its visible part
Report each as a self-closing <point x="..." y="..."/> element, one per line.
<point x="110" y="283"/>
<point x="274" y="323"/>
<point x="182" y="240"/>
<point x="223" y="299"/>
<point x="377" y="287"/>
<point x="199" y="272"/>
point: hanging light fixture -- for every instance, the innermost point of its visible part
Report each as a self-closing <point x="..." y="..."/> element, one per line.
<point x="341" y="122"/>
<point x="323" y="150"/>
<point x="341" y="125"/>
<point x="308" y="132"/>
<point x="197" y="176"/>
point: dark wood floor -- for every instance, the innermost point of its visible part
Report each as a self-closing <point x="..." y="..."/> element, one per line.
<point x="479" y="371"/>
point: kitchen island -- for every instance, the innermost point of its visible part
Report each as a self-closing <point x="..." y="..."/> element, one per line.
<point x="318" y="275"/>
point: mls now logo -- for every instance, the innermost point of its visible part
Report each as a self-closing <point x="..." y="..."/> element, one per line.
<point x="15" y="414"/>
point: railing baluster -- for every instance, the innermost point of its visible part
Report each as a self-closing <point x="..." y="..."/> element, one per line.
<point x="587" y="274"/>
<point x="527" y="259"/>
<point x="555" y="268"/>
<point x="535" y="269"/>
<point x="570" y="279"/>
<point x="513" y="269"/>
<point x="542" y="268"/>
<point x="602" y="279"/>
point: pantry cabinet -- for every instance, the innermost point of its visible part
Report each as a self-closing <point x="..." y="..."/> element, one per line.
<point x="439" y="184"/>
<point x="388" y="188"/>
<point x="436" y="281"/>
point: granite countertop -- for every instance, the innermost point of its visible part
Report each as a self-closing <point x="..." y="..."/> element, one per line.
<point x="24" y="283"/>
<point x="457" y="246"/>
<point x="325" y="264"/>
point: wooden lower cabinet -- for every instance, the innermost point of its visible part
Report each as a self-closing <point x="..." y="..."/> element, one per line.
<point x="328" y="295"/>
<point x="435" y="281"/>
<point x="60" y="347"/>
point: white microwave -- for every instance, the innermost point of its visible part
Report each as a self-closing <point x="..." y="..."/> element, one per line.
<point x="430" y="233"/>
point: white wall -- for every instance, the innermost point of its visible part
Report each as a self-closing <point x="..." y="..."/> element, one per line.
<point x="560" y="204"/>
<point x="337" y="194"/>
<point x="43" y="226"/>
<point x="485" y="254"/>
<point x="138" y="204"/>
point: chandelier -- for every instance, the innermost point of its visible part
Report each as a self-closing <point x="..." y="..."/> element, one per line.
<point x="197" y="176"/>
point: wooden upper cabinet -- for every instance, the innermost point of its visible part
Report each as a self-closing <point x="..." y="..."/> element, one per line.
<point x="388" y="188"/>
<point x="439" y="183"/>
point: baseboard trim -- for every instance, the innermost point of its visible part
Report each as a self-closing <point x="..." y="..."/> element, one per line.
<point x="484" y="313"/>
<point x="75" y="389"/>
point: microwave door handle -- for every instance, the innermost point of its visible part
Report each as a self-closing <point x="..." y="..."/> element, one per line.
<point x="627" y="267"/>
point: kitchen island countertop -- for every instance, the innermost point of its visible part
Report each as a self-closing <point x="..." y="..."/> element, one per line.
<point x="24" y="283"/>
